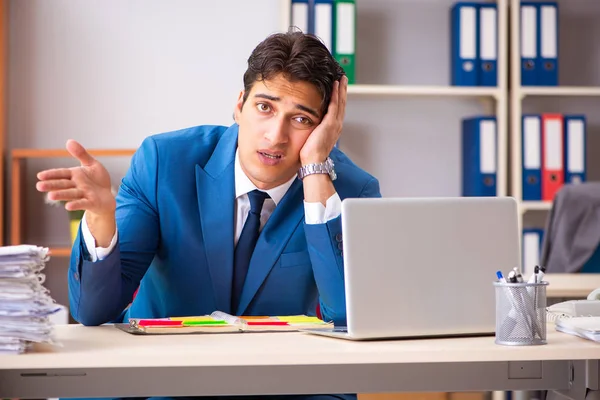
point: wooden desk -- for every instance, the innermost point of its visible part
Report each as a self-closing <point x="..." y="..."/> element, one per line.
<point x="571" y="285"/>
<point x="105" y="362"/>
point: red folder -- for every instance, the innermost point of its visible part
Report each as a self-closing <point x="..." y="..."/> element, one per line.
<point x="553" y="171"/>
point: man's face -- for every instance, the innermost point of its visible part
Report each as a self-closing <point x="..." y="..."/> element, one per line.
<point x="274" y="122"/>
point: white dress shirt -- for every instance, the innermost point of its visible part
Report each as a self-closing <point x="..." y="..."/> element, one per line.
<point x="314" y="213"/>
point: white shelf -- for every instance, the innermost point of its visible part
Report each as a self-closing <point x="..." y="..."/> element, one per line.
<point x="535" y="206"/>
<point x="559" y="91"/>
<point x="401" y="90"/>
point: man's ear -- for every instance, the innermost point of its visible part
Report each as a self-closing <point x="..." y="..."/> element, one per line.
<point x="238" y="107"/>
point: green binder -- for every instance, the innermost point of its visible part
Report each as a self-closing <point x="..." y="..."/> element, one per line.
<point x="344" y="36"/>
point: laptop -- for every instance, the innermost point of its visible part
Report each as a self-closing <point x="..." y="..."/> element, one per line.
<point x="424" y="267"/>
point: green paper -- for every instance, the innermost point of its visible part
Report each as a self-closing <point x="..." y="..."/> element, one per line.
<point x="215" y="322"/>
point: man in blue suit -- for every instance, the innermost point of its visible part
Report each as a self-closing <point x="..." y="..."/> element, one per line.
<point x="244" y="219"/>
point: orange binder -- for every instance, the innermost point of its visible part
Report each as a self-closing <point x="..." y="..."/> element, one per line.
<point x="553" y="171"/>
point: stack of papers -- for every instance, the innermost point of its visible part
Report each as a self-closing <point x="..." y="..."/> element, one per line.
<point x="585" y="327"/>
<point x="25" y="304"/>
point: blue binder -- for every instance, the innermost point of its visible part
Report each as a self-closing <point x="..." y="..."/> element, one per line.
<point x="464" y="44"/>
<point x="548" y="43"/>
<point x="531" y="249"/>
<point x="529" y="45"/>
<point x="488" y="44"/>
<point x="479" y="154"/>
<point x="531" y="157"/>
<point x="303" y="15"/>
<point x="575" y="140"/>
<point x="323" y="16"/>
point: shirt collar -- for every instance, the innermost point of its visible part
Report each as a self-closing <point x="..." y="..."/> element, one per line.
<point x="244" y="185"/>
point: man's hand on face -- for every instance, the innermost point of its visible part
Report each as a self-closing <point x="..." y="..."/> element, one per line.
<point x="323" y="138"/>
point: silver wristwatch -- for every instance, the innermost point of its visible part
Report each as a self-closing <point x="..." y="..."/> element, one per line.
<point x="326" y="167"/>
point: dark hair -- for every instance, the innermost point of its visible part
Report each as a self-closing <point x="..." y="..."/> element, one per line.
<point x="300" y="57"/>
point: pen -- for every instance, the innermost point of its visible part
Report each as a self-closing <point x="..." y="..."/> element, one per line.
<point x="511" y="321"/>
<point x="542" y="271"/>
<point x="533" y="277"/>
<point x="522" y="302"/>
<point x="500" y="277"/>
<point x="518" y="274"/>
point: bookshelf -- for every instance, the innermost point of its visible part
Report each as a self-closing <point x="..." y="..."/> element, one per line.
<point x="393" y="82"/>
<point x="407" y="90"/>
<point x="523" y="92"/>
<point x="553" y="99"/>
<point x="3" y="108"/>
<point x="18" y="183"/>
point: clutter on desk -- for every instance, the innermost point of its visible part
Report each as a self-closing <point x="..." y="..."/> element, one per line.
<point x="25" y="304"/>
<point x="220" y="322"/>
<point x="585" y="327"/>
<point x="521" y="308"/>
<point x="578" y="317"/>
<point x="574" y="308"/>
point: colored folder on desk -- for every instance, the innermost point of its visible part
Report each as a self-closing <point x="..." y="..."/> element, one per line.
<point x="220" y="322"/>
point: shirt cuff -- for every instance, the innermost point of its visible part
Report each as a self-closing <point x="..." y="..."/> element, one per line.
<point x="316" y="213"/>
<point x="96" y="253"/>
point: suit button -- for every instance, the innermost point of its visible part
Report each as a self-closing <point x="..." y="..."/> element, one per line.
<point x="76" y="276"/>
<point x="338" y="237"/>
<point x="340" y="246"/>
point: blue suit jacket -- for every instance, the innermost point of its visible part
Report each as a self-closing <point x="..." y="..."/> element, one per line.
<point x="175" y="218"/>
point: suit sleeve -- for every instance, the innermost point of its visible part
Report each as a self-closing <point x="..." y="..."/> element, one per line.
<point x="325" y="246"/>
<point x="99" y="291"/>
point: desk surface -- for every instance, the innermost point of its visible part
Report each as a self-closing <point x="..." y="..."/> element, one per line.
<point x="106" y="362"/>
<point x="572" y="285"/>
<point x="108" y="347"/>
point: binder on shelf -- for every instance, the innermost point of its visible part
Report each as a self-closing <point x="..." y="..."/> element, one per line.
<point x="553" y="174"/>
<point x="531" y="249"/>
<point x="548" y="42"/>
<point x="302" y="17"/>
<point x="529" y="43"/>
<point x="464" y="44"/>
<point x="531" y="145"/>
<point x="344" y="36"/>
<point x="575" y="139"/>
<point x="323" y="12"/>
<point x="479" y="163"/>
<point x="488" y="44"/>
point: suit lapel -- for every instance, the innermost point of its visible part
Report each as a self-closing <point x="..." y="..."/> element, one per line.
<point x="273" y="238"/>
<point x="215" y="186"/>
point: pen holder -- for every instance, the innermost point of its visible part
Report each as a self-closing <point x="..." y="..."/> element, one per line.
<point x="520" y="313"/>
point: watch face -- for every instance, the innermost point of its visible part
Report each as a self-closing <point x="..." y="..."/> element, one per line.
<point x="330" y="167"/>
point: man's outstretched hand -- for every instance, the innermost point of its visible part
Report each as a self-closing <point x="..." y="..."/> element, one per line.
<point x="86" y="187"/>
